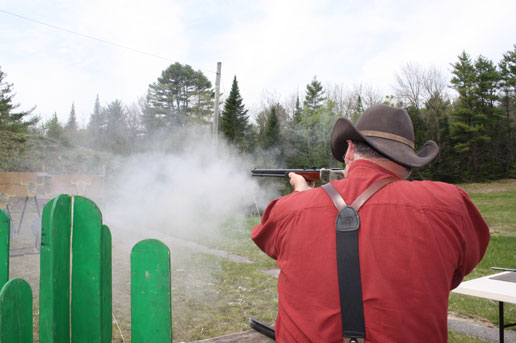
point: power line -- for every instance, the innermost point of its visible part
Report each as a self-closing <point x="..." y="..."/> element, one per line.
<point x="94" y="38"/>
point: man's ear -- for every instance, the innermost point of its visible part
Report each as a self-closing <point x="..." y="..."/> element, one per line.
<point x="350" y="153"/>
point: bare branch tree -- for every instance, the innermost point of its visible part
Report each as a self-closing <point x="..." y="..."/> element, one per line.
<point x="435" y="83"/>
<point x="410" y="84"/>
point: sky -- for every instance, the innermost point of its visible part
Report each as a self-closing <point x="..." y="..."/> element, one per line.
<point x="65" y="52"/>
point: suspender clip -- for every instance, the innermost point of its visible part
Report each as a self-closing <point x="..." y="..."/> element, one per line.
<point x="353" y="340"/>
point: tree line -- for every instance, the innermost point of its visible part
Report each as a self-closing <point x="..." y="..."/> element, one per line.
<point x="471" y="117"/>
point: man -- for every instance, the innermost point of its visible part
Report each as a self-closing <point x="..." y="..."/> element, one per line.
<point x="416" y="240"/>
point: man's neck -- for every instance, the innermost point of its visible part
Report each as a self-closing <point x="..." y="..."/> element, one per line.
<point x="395" y="168"/>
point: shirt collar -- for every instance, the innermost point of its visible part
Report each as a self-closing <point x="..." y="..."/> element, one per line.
<point x="360" y="167"/>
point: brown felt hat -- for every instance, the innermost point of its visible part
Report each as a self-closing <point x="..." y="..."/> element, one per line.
<point x="386" y="129"/>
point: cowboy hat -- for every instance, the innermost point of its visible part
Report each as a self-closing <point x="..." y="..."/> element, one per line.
<point x="386" y="129"/>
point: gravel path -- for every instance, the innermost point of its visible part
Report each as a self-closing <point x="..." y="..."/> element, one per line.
<point x="478" y="329"/>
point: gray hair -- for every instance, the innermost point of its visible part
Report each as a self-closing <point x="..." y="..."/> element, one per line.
<point x="365" y="150"/>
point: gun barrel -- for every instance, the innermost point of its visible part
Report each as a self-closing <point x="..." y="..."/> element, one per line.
<point x="324" y="175"/>
<point x="309" y="174"/>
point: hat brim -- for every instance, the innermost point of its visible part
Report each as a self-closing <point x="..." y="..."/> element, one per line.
<point x="398" y="152"/>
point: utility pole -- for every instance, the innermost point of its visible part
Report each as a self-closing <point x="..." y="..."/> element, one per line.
<point x="217" y="97"/>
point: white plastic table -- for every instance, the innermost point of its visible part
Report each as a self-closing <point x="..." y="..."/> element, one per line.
<point x="500" y="287"/>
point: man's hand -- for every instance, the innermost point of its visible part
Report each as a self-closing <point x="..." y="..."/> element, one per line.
<point x="299" y="183"/>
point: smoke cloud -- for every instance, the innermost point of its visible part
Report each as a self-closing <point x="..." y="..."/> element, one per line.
<point x="197" y="187"/>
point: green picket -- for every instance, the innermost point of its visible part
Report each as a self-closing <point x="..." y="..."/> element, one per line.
<point x="151" y="314"/>
<point x="16" y="312"/>
<point x="5" y="233"/>
<point x="106" y="286"/>
<point x="86" y="306"/>
<point x="54" y="290"/>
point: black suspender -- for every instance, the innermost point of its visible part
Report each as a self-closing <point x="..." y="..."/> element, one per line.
<point x="350" y="287"/>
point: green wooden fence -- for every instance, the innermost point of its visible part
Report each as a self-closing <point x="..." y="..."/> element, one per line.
<point x="75" y="281"/>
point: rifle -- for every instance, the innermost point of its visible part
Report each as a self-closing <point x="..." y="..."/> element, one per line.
<point x="324" y="175"/>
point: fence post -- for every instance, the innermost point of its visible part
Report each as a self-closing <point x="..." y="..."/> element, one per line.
<point x="54" y="290"/>
<point x="151" y="314"/>
<point x="89" y="260"/>
<point x="106" y="286"/>
<point x="5" y="233"/>
<point x="16" y="312"/>
<point x="75" y="273"/>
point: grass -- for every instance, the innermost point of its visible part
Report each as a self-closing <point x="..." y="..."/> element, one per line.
<point x="219" y="297"/>
<point x="454" y="337"/>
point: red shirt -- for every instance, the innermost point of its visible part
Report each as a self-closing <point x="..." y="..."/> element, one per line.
<point x="417" y="240"/>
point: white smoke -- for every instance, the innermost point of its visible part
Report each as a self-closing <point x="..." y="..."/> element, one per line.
<point x="196" y="188"/>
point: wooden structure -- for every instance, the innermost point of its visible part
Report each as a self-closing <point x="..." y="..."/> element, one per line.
<point x="21" y="185"/>
<point x="75" y="281"/>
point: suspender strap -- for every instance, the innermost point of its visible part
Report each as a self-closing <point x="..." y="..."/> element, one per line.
<point x="369" y="192"/>
<point x="348" y="266"/>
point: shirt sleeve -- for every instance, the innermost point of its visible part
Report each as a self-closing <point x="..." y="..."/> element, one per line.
<point x="476" y="238"/>
<point x="265" y="234"/>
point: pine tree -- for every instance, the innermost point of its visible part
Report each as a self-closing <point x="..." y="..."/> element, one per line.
<point x="298" y="112"/>
<point x="71" y="126"/>
<point x="272" y="135"/>
<point x="54" y="130"/>
<point x="9" y="119"/>
<point x="235" y="120"/>
<point x="116" y="128"/>
<point x="96" y="126"/>
<point x="180" y="96"/>
<point x="314" y="98"/>
<point x="508" y="105"/>
<point x="468" y="124"/>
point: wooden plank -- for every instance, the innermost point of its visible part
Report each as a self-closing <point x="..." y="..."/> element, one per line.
<point x="239" y="337"/>
<point x="16" y="312"/>
<point x="54" y="293"/>
<point x="5" y="233"/>
<point x="151" y="311"/>
<point x="106" y="286"/>
<point x="86" y="272"/>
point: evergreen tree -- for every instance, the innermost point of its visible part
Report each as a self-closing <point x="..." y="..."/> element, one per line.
<point x="10" y="120"/>
<point x="507" y="85"/>
<point x="235" y="120"/>
<point x="272" y="135"/>
<point x="314" y="98"/>
<point x="358" y="109"/>
<point x="117" y="139"/>
<point x="508" y="82"/>
<point x="71" y="127"/>
<point x="486" y="94"/>
<point x="468" y="125"/>
<point x="486" y="84"/>
<point x="71" y="124"/>
<point x="96" y="129"/>
<point x="307" y="143"/>
<point x="180" y="96"/>
<point x="54" y="130"/>
<point x="298" y="112"/>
